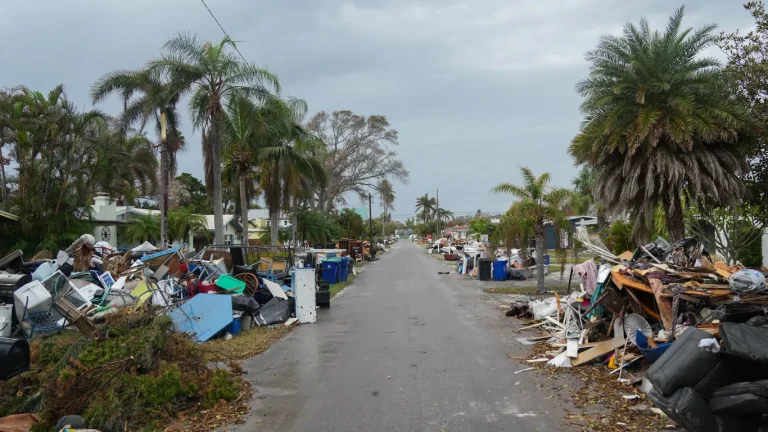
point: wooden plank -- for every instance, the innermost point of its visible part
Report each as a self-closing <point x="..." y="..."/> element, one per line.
<point x="601" y="348"/>
<point x="622" y="282"/>
<point x="664" y="304"/>
<point x="647" y="310"/>
<point x="538" y="324"/>
<point x="626" y="256"/>
<point x="572" y="348"/>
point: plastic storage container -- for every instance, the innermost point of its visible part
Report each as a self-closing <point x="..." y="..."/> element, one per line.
<point x="230" y="284"/>
<point x="330" y="271"/>
<point x="484" y="273"/>
<point x="499" y="270"/>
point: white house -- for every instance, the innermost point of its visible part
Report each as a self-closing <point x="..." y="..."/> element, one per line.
<point x="112" y="218"/>
<point x="260" y="223"/>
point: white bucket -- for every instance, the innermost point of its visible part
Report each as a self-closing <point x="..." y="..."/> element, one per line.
<point x="6" y="317"/>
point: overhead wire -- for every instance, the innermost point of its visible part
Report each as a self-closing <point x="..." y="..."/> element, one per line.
<point x="224" y="31"/>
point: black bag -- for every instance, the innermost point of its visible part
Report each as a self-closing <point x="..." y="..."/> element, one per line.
<point x="741" y="398"/>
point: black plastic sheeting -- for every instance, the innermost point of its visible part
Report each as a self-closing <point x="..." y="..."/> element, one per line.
<point x="745" y="341"/>
<point x="684" y="364"/>
<point x="275" y="312"/>
<point x="244" y="303"/>
<point x="741" y="398"/>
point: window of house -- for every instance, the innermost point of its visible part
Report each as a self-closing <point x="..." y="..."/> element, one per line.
<point x="285" y="223"/>
<point x="269" y="222"/>
<point x="228" y="239"/>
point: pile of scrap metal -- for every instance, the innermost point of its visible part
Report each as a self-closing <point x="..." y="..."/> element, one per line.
<point x="659" y="316"/>
<point x="203" y="297"/>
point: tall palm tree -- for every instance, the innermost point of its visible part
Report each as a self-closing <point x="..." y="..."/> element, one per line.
<point x="659" y="124"/>
<point x="143" y="228"/>
<point x="156" y="100"/>
<point x="287" y="158"/>
<point x="215" y="75"/>
<point x="541" y="204"/>
<point x="427" y="205"/>
<point x="387" y="197"/>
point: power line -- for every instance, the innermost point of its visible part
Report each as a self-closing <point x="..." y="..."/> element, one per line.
<point x="224" y="31"/>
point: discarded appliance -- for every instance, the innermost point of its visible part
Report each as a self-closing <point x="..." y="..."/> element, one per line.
<point x="203" y="316"/>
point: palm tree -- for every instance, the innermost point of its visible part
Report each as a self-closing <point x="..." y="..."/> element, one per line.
<point x="427" y="206"/>
<point x="387" y="197"/>
<point x="215" y="75"/>
<point x="444" y="214"/>
<point x="286" y="162"/>
<point x="156" y="101"/>
<point x="181" y="222"/>
<point x="143" y="228"/>
<point x="541" y="204"/>
<point x="659" y="124"/>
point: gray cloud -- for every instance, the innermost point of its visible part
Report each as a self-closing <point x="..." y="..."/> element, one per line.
<point x="474" y="87"/>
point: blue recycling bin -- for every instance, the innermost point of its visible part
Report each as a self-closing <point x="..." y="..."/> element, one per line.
<point x="546" y="259"/>
<point x="499" y="270"/>
<point x="330" y="271"/>
<point x="343" y="270"/>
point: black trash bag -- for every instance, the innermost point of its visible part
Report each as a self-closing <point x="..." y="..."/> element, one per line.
<point x="745" y="341"/>
<point x="758" y="321"/>
<point x="684" y="364"/>
<point x="741" y="398"/>
<point x="262" y="296"/>
<point x="687" y="408"/>
<point x="513" y="274"/>
<point x="244" y="303"/>
<point x="275" y="312"/>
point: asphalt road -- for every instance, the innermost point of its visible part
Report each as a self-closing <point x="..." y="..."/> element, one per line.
<point x="401" y="349"/>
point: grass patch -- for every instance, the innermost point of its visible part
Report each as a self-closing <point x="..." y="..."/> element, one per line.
<point x="555" y="268"/>
<point x="560" y="289"/>
<point x="245" y="345"/>
<point x="337" y="287"/>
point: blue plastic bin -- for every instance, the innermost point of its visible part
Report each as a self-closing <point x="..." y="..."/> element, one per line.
<point x="343" y="270"/>
<point x="546" y="259"/>
<point x="499" y="270"/>
<point x="330" y="271"/>
<point x="234" y="327"/>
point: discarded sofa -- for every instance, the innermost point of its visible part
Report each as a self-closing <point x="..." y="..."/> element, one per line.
<point x="713" y="391"/>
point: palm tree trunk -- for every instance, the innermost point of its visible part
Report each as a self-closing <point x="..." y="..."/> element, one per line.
<point x="163" y="195"/>
<point x="2" y="177"/>
<point x="540" y="257"/>
<point x="244" y="206"/>
<point x="384" y="221"/>
<point x="274" y="209"/>
<point x="218" y="208"/>
<point x="673" y="210"/>
<point x="294" y="221"/>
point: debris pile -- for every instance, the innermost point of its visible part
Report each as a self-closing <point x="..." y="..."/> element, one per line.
<point x="673" y="317"/>
<point x="100" y="325"/>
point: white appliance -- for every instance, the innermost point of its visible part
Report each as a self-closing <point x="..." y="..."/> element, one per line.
<point x="303" y="288"/>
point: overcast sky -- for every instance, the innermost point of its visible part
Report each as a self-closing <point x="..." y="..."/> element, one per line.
<point x="475" y="87"/>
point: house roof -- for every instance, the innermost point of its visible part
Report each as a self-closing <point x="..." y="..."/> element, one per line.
<point x="211" y="226"/>
<point x="263" y="214"/>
